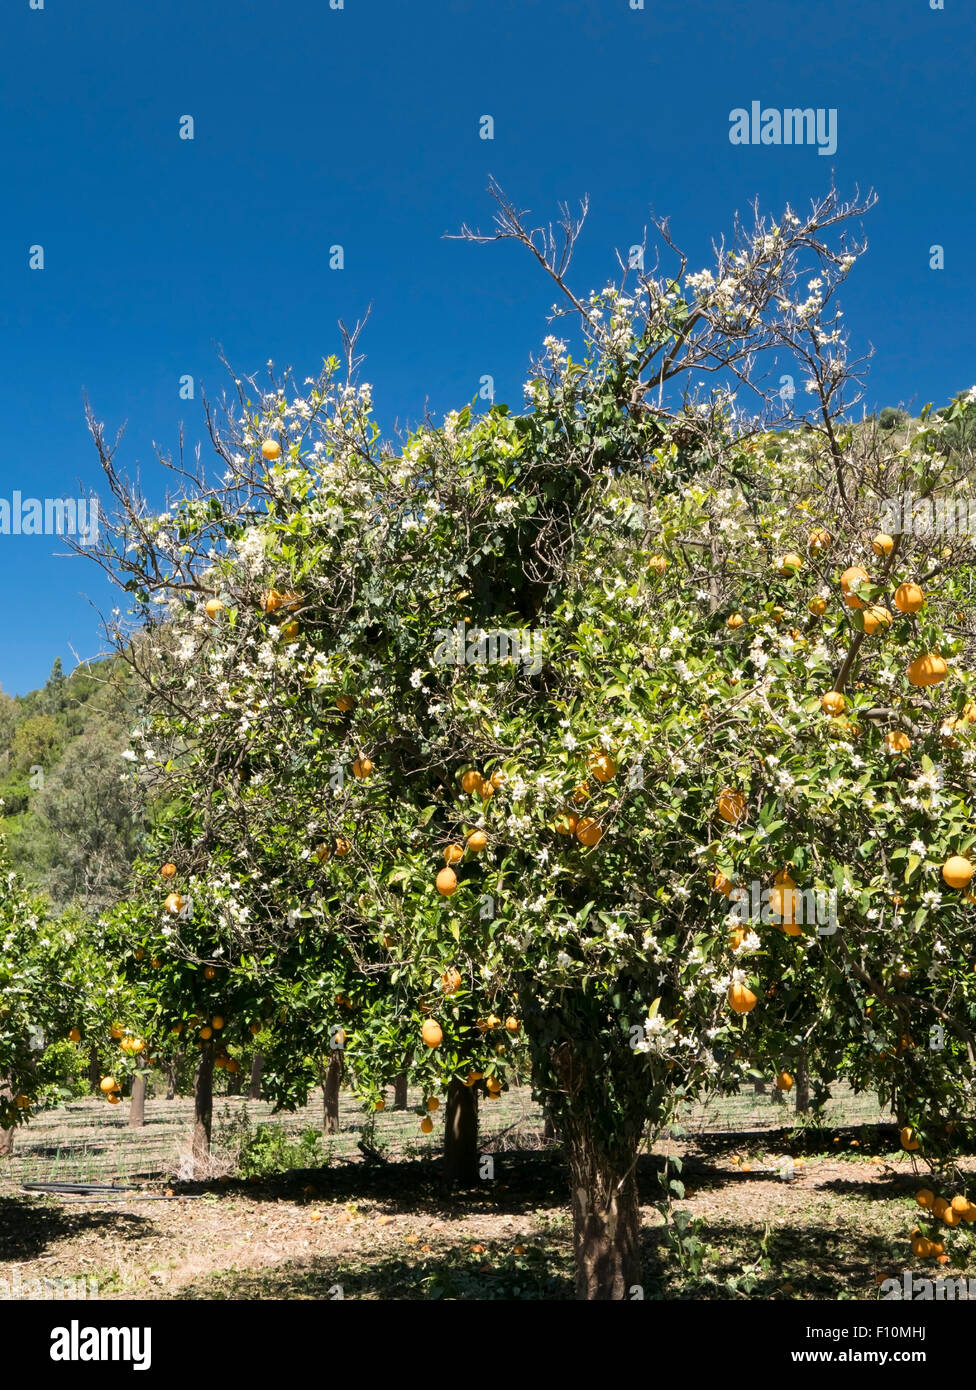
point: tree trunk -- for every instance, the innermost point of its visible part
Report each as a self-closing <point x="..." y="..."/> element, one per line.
<point x="94" y="1070"/>
<point x="400" y="1092"/>
<point x="802" y="1085"/>
<point x="137" y="1105"/>
<point x="549" y="1130"/>
<point x="257" y="1071"/>
<point x="461" y="1167"/>
<point x="606" y="1216"/>
<point x="6" y="1135"/>
<point x="171" y="1065"/>
<point x="330" y="1093"/>
<point x="759" y="1088"/>
<point x="203" y="1108"/>
<point x="236" y="1083"/>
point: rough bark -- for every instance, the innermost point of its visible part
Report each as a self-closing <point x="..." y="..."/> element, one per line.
<point x="203" y="1108"/>
<point x="330" y="1093"/>
<point x="400" y="1092"/>
<point x="606" y="1215"/>
<point x="137" y="1104"/>
<point x="461" y="1158"/>
<point x="94" y="1070"/>
<point x="6" y="1135"/>
<point x="257" y="1071"/>
<point x="171" y="1066"/>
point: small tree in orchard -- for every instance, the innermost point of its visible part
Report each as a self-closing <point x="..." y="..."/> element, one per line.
<point x="505" y="724"/>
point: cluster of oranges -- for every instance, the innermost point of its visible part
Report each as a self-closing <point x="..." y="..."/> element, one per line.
<point x="446" y="881"/>
<point x="951" y="1212"/>
<point x="601" y="766"/>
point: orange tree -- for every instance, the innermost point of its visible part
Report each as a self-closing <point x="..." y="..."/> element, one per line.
<point x="482" y="724"/>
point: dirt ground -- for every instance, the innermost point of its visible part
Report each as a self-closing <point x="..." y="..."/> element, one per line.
<point x="833" y="1227"/>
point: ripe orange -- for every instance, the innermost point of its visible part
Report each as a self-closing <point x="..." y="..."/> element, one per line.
<point x="217" y="1022"/>
<point x="925" y="1197"/>
<point x="741" y="998"/>
<point x="477" y="841"/>
<point x="789" y="564"/>
<point x="719" y="883"/>
<point x="929" y="669"/>
<point x="817" y="606"/>
<point x="426" y="1125"/>
<point x="361" y="768"/>
<point x="909" y="598"/>
<point x="271" y="449"/>
<point x="290" y="631"/>
<point x="74" y="1034"/>
<point x="819" y="539"/>
<point x="602" y="767"/>
<point x="342" y="847"/>
<point x="345" y="703"/>
<point x="107" y="1084"/>
<point x="833" y="702"/>
<point x="657" y="563"/>
<point x="168" y="871"/>
<point x="883" y="544"/>
<point x="960" y="1204"/>
<point x="451" y="981"/>
<point x="735" y="621"/>
<point x="174" y="904"/>
<point x="951" y="1217"/>
<point x="472" y="781"/>
<point x="432" y="1103"/>
<point x="432" y="1033"/>
<point x="380" y="1105"/>
<point x="213" y="609"/>
<point x="117" y="1031"/>
<point x="453" y="854"/>
<point x="209" y="973"/>
<point x="908" y="1140"/>
<point x="876" y="616"/>
<point x="896" y="741"/>
<point x="851" y="576"/>
<point x="588" y="832"/>
<point x="446" y="882"/>
<point x="731" y="805"/>
<point x="271" y="601"/>
<point x="512" y="1024"/>
<point x="566" y="824"/>
<point x="114" y="1099"/>
<point x="498" y="778"/>
<point x="784" y="1081"/>
<point x="957" y="871"/>
<point x="206" y="1032"/>
<point x="322" y="853"/>
<point x="580" y="793"/>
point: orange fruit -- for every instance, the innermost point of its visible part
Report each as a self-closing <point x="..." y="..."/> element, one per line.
<point x="589" y="832"/>
<point x="432" y="1033"/>
<point x="789" y="564"/>
<point x="819" y="539"/>
<point x="817" y="606"/>
<point x="909" y="598"/>
<point x="209" y="973"/>
<point x="896" y="741"/>
<point x="206" y="1032"/>
<point x="342" y="847"/>
<point x="735" y="621"/>
<point x="213" y="608"/>
<point x="217" y="1022"/>
<point x="602" y="767"/>
<point x="322" y="853"/>
<point x="883" y="544"/>
<point x="925" y="1197"/>
<point x="784" y="1081"/>
<point x="472" y="781"/>
<point x="432" y="1103"/>
<point x="851" y="576"/>
<point x="116" y="1031"/>
<point x="290" y="631"/>
<point x="960" y="1204"/>
<point x="908" y="1140"/>
<point x="361" y="768"/>
<point x="741" y="998"/>
<point x="254" y="1029"/>
<point x="380" y="1105"/>
<point x="446" y="883"/>
<point x="271" y="449"/>
<point x="477" y="841"/>
<point x="719" y="883"/>
<point x="498" y="778"/>
<point x="929" y="669"/>
<point x="107" y="1084"/>
<point x="451" y="981"/>
<point x="114" y="1100"/>
<point x="512" y="1024"/>
<point x="74" y="1034"/>
<point x="453" y="854"/>
<point x="731" y="805"/>
<point x="957" y="871"/>
<point x="426" y="1125"/>
<point x="174" y="904"/>
<point x="876" y="616"/>
<point x="657" y="563"/>
<point x="345" y="703"/>
<point x="271" y="601"/>
<point x="833" y="702"/>
<point x="168" y="871"/>
<point x="566" y="824"/>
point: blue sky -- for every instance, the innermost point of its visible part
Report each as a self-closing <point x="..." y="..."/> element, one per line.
<point x="360" y="126"/>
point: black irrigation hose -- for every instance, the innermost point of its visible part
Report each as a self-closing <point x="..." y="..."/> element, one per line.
<point x="85" y="1189"/>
